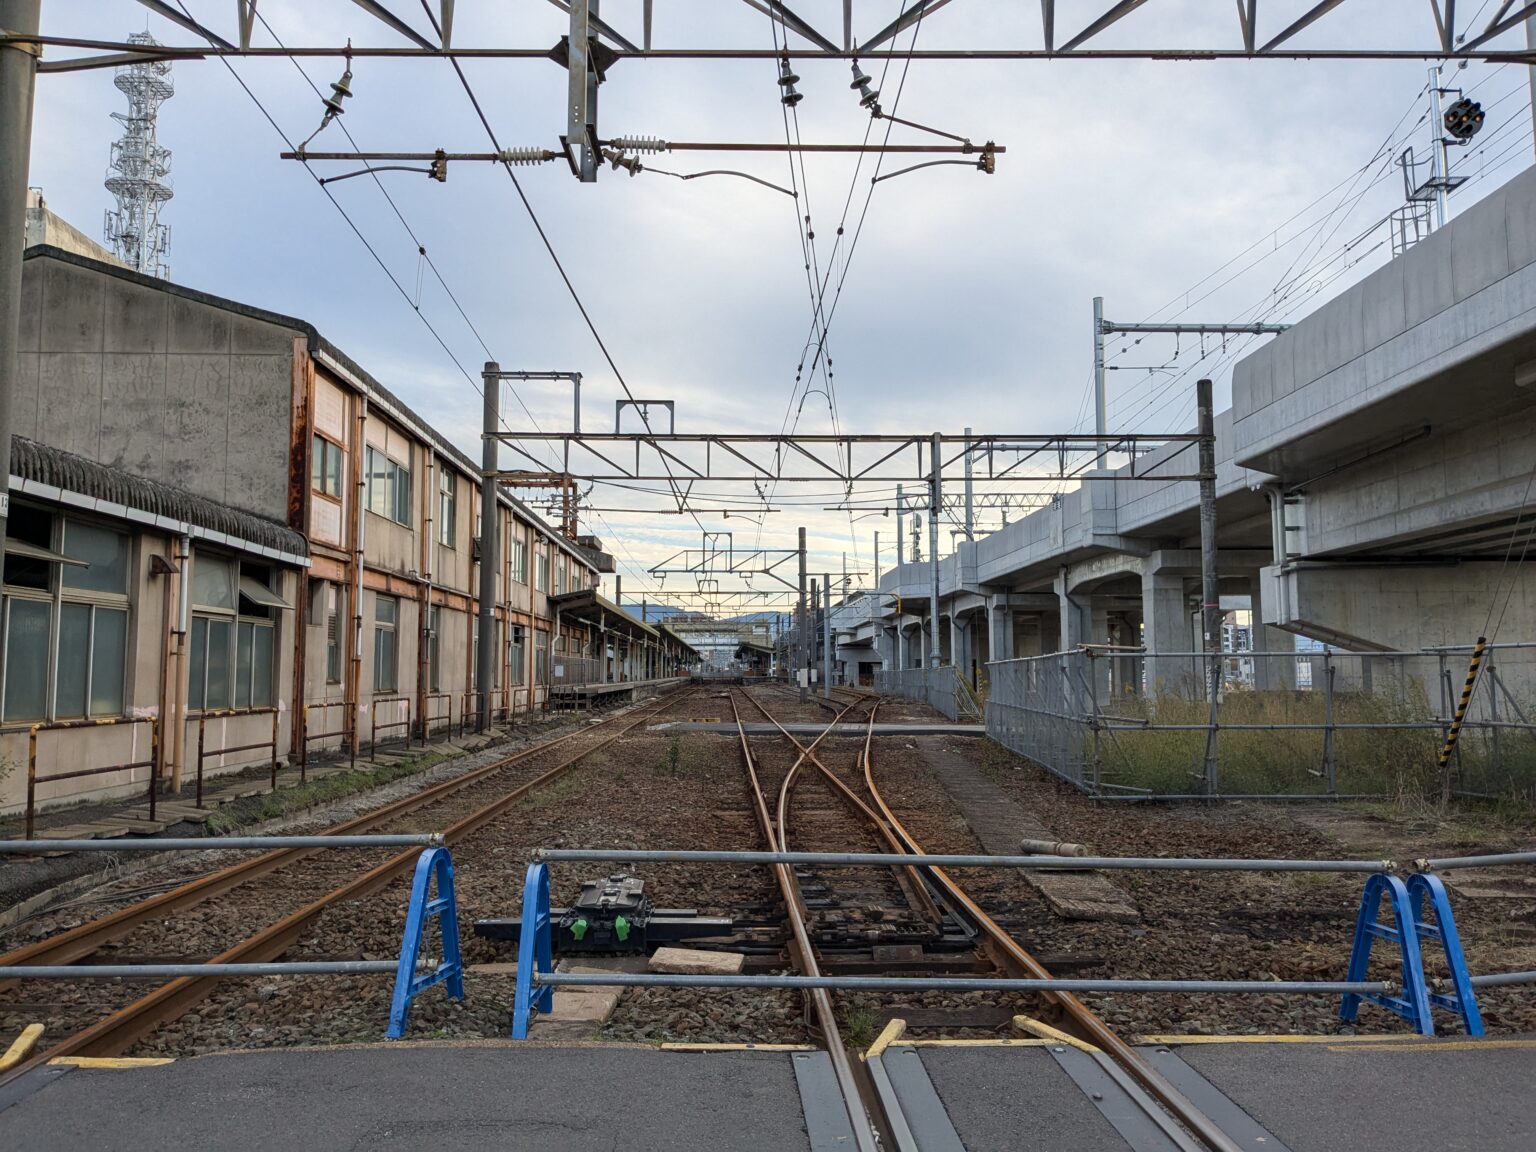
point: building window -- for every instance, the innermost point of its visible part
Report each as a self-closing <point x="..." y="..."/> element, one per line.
<point x="389" y="488"/>
<point x="541" y="657"/>
<point x="541" y="566"/>
<point x="327" y="467"/>
<point x="519" y="559"/>
<point x="234" y="632"/>
<point x="559" y="575"/>
<point x="447" y="506"/>
<point x="515" y="654"/>
<point x="332" y="634"/>
<point x="386" y="653"/>
<point x="434" y="663"/>
<point x="66" y="625"/>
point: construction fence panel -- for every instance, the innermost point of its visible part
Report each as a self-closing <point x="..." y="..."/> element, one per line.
<point x="934" y="687"/>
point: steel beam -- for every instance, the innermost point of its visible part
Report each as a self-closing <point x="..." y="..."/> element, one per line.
<point x="1318" y="11"/>
<point x="918" y="10"/>
<point x="1048" y="23"/>
<point x="777" y="9"/>
<point x="1114" y="15"/>
<point x="245" y="17"/>
<point x="602" y="28"/>
<point x="384" y="15"/>
<point x="176" y="16"/>
<point x="1500" y="24"/>
<point x="1248" y="21"/>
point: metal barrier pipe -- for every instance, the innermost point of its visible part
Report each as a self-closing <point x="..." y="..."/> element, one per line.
<point x="225" y="713"/>
<point x="955" y="984"/>
<point x="178" y="971"/>
<point x="220" y="843"/>
<point x="1475" y="861"/>
<point x="464" y="703"/>
<point x="375" y="726"/>
<point x="1032" y="863"/>
<point x="1502" y="979"/>
<point x="33" y="779"/>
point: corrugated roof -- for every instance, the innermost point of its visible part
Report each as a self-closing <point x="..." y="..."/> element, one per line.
<point x="43" y="464"/>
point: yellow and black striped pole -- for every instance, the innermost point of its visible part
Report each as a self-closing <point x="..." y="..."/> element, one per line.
<point x="1454" y="732"/>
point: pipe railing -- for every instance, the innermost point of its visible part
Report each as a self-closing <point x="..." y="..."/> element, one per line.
<point x="203" y="752"/>
<point x="220" y="843"/>
<point x="389" y="726"/>
<point x="428" y="719"/>
<point x="33" y="779"/>
<point x="935" y="860"/>
<point x="308" y="736"/>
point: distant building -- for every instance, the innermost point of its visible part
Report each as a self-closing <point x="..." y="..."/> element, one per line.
<point x="44" y="228"/>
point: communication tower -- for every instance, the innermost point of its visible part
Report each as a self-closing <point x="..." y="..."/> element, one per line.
<point x="139" y="171"/>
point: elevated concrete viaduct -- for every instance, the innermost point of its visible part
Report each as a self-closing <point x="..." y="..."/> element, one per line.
<point x="1372" y="473"/>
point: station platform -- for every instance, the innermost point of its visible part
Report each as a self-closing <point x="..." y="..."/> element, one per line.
<point x="614" y="692"/>
<point x="1308" y="1094"/>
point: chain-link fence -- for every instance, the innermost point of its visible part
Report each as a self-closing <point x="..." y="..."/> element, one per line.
<point x="1123" y="723"/>
<point x="942" y="689"/>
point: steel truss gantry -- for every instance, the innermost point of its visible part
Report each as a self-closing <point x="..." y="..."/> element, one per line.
<point x="1252" y="32"/>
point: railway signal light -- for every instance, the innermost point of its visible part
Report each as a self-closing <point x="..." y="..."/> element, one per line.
<point x="1464" y="119"/>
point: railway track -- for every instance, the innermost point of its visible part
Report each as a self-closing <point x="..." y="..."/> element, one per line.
<point x="1010" y="958"/>
<point x="458" y="807"/>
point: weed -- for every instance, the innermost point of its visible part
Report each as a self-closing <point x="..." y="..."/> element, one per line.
<point x="860" y="1025"/>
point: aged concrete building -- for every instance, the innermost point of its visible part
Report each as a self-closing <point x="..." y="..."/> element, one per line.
<point x="220" y="518"/>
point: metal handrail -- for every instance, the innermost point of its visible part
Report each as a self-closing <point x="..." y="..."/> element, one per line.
<point x="107" y="722"/>
<point x="321" y="706"/>
<point x="204" y="752"/>
<point x="375" y="726"/>
<point x="426" y="714"/>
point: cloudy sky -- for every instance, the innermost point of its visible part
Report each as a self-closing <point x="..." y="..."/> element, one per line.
<point x="1204" y="191"/>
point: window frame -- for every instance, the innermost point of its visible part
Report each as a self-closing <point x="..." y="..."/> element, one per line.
<point x="517" y="560"/>
<point x="447" y="507"/>
<point x="56" y="596"/>
<point x="237" y="622"/>
<point x="333" y="654"/>
<point x="395" y="482"/>
<point x="392" y="627"/>
<point x="322" y="451"/>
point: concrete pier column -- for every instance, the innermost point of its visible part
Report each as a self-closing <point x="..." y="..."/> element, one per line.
<point x="1270" y="674"/>
<point x="1166" y="621"/>
<point x="1000" y="626"/>
<point x="1073" y="628"/>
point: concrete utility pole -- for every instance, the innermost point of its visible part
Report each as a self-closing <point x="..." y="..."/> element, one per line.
<point x="970" y="494"/>
<point x="1530" y="42"/>
<point x="901" y="509"/>
<point x="803" y="660"/>
<point x="490" y="562"/>
<point x="1210" y="593"/>
<point x="18" y="79"/>
<point x="935" y="505"/>
<point x="826" y="635"/>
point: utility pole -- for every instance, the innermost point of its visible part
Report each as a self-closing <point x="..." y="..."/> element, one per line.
<point x="935" y="506"/>
<point x="826" y="635"/>
<point x="1210" y="592"/>
<point x="802" y="633"/>
<point x="1530" y="42"/>
<point x="970" y="494"/>
<point x="490" y="562"/>
<point x="901" y="507"/>
<point x="1100" y="409"/>
<point x="812" y="628"/>
<point x="18" y="80"/>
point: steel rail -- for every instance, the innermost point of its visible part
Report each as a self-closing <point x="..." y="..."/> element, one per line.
<point x="116" y="1033"/>
<point x="1014" y="957"/>
<point x="85" y="939"/>
<point x="802" y="954"/>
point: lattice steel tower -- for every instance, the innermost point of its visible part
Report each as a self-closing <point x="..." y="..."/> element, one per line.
<point x="139" y="171"/>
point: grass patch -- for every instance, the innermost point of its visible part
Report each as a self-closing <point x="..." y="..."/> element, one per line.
<point x="296" y="798"/>
<point x="859" y="1023"/>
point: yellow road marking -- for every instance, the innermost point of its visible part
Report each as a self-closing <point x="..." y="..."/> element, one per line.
<point x="21" y="1046"/>
<point x="1045" y="1032"/>
<point x="1296" y="1038"/>
<point x="892" y="1032"/>
<point x="996" y="1043"/>
<point x="113" y="1062"/>
<point x="1435" y="1046"/>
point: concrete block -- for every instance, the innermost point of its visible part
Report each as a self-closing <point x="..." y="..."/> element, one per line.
<point x="1427" y="288"/>
<point x="195" y="327"/>
<point x="248" y="335"/>
<point x="24" y="400"/>
<point x="1384" y="314"/>
<point x="72" y="310"/>
<point x="30" y="335"/>
<point x="69" y="401"/>
<point x="695" y="962"/>
<point x="135" y="318"/>
<point x="1520" y="220"/>
<point x="197" y="423"/>
<point x="1480" y="256"/>
<point x="132" y="421"/>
